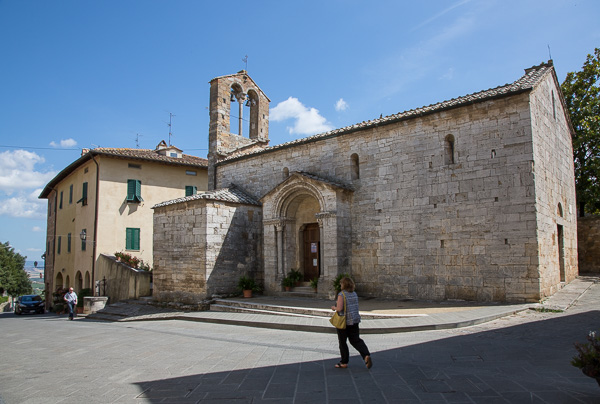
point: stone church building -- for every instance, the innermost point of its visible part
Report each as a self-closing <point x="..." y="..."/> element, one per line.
<point x="471" y="198"/>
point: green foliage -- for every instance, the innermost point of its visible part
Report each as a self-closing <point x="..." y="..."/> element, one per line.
<point x="247" y="283"/>
<point x="588" y="356"/>
<point x="295" y="275"/>
<point x="3" y="299"/>
<point x="288" y="282"/>
<point x="582" y="95"/>
<point x="336" y="282"/>
<point x="314" y="282"/>
<point x="13" y="278"/>
<point x="83" y="293"/>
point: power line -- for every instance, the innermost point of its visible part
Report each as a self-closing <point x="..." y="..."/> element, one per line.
<point x="36" y="148"/>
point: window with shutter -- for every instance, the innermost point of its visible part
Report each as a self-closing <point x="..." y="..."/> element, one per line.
<point x="190" y="190"/>
<point x="134" y="191"/>
<point x="132" y="238"/>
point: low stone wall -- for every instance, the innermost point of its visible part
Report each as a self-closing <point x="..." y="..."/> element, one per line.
<point x="122" y="281"/>
<point x="588" y="240"/>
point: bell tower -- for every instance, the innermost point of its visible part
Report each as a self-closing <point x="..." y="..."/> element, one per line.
<point x="236" y="102"/>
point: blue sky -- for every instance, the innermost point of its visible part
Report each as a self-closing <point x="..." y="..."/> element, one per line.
<point x="80" y="74"/>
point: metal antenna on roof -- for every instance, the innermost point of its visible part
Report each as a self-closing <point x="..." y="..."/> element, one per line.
<point x="137" y="140"/>
<point x="170" y="125"/>
<point x="549" y="53"/>
<point x="245" y="60"/>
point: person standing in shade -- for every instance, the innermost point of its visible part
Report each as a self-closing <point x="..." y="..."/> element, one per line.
<point x="351" y="332"/>
<point x="71" y="299"/>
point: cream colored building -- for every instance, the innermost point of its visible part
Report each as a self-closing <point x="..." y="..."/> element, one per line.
<point x="101" y="204"/>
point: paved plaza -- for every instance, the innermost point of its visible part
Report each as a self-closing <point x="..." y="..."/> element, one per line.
<point x="520" y="358"/>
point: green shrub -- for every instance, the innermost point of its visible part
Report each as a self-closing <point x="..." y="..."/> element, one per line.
<point x="58" y="308"/>
<point x="288" y="282"/>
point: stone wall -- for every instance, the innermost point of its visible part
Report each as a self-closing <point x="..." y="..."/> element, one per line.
<point x="122" y="281"/>
<point x="553" y="176"/>
<point x="588" y="231"/>
<point x="425" y="225"/>
<point x="202" y="247"/>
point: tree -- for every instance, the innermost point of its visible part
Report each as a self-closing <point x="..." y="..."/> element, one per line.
<point x="582" y="95"/>
<point x="13" y="278"/>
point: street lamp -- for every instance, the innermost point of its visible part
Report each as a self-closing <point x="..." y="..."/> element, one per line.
<point x="83" y="235"/>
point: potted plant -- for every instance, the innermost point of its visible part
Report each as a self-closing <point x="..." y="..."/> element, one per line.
<point x="588" y="356"/>
<point x="247" y="285"/>
<point x="287" y="283"/>
<point x="314" y="282"/>
<point x="295" y="276"/>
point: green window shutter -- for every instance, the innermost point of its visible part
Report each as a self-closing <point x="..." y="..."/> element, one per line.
<point x="69" y="242"/>
<point x="190" y="190"/>
<point x="132" y="238"/>
<point x="61" y="199"/>
<point x="134" y="191"/>
<point x="71" y="194"/>
<point x="58" y="246"/>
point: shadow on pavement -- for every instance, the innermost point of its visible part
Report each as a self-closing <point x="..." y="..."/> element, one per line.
<point x="528" y="363"/>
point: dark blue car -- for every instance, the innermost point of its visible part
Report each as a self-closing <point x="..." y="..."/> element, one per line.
<point x="29" y="304"/>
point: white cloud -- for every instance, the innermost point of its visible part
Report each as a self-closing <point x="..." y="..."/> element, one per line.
<point x="20" y="180"/>
<point x="17" y="171"/>
<point x="449" y="75"/>
<point x="64" y="143"/>
<point x="341" y="105"/>
<point x="37" y="229"/>
<point x="308" y="121"/>
<point x="24" y="207"/>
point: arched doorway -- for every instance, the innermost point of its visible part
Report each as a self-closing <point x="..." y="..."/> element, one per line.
<point x="304" y="235"/>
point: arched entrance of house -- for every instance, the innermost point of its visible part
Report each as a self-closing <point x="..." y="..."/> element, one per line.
<point x="59" y="281"/>
<point x="304" y="232"/>
<point x="78" y="281"/>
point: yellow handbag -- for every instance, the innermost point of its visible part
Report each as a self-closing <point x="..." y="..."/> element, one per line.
<point x="337" y="320"/>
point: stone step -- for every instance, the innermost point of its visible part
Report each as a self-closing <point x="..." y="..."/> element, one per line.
<point x="247" y="310"/>
<point x="248" y="306"/>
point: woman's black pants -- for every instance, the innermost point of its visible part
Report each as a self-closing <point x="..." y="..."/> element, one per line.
<point x="352" y="334"/>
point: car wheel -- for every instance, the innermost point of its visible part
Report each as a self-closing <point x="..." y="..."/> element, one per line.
<point x="17" y="312"/>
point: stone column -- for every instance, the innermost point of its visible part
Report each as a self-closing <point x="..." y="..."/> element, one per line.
<point x="329" y="244"/>
<point x="279" y="228"/>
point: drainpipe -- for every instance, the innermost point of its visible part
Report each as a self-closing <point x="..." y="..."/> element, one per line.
<point x="95" y="241"/>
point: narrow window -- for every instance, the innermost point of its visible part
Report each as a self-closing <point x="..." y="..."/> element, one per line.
<point x="553" y="105"/>
<point x="286" y="172"/>
<point x="71" y="194"/>
<point x="60" y="201"/>
<point x="449" y="150"/>
<point x="190" y="172"/>
<point x="355" y="166"/>
<point x="58" y="245"/>
<point x="560" y="210"/>
<point x="84" y="190"/>
<point x="190" y="190"/>
<point x="69" y="242"/>
<point x="134" y="191"/>
<point x="83" y="239"/>
<point x="132" y="238"/>
<point x="132" y="165"/>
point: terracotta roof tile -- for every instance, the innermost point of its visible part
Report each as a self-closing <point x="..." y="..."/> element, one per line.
<point x="230" y="194"/>
<point x="531" y="77"/>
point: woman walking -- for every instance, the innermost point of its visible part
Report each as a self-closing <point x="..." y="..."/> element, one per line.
<point x="351" y="332"/>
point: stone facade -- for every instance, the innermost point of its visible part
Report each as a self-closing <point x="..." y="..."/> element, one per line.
<point x="466" y="199"/>
<point x="589" y="244"/>
<point x="204" y="244"/>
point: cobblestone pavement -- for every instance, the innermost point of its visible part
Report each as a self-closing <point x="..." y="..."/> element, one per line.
<point x="521" y="358"/>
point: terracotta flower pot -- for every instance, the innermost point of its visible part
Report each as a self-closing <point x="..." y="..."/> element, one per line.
<point x="247" y="293"/>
